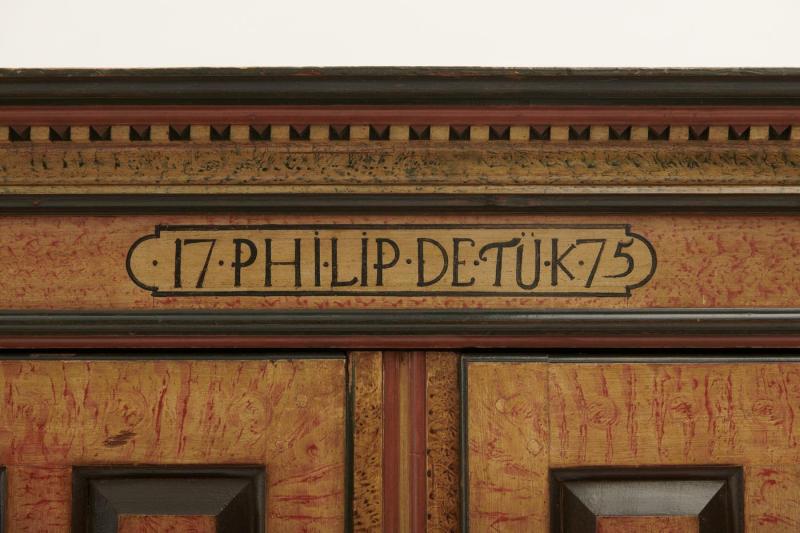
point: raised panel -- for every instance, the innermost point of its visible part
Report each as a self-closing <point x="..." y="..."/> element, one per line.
<point x="670" y="420"/>
<point x="590" y="500"/>
<point x="110" y="500"/>
<point x="286" y="415"/>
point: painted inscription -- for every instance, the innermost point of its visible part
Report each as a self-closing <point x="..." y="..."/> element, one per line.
<point x="392" y="260"/>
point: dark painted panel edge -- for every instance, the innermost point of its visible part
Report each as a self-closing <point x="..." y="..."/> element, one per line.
<point x="602" y="203"/>
<point x="410" y="86"/>
<point x="748" y="322"/>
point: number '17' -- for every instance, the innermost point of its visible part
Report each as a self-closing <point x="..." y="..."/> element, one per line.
<point x="179" y="244"/>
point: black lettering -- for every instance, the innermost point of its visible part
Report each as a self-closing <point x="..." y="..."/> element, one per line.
<point x="498" y="275"/>
<point x="364" y="262"/>
<point x="618" y="253"/>
<point x="557" y="263"/>
<point x="270" y="263"/>
<point x="317" y="275"/>
<point x="202" y="277"/>
<point x="238" y="263"/>
<point x="537" y="257"/>
<point x="421" y="281"/>
<point x="178" y="248"/>
<point x="335" y="267"/>
<point x="456" y="263"/>
<point x="380" y="265"/>
<point x="593" y="272"/>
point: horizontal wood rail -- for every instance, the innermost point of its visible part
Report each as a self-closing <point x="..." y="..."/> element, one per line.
<point x="89" y="115"/>
<point x="417" y="86"/>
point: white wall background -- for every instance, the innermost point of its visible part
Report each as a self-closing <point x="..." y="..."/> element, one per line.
<point x="579" y="33"/>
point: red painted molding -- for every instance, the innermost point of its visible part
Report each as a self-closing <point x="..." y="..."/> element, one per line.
<point x="419" y="442"/>
<point x="337" y="114"/>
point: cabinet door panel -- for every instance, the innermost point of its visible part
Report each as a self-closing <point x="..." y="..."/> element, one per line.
<point x="670" y="423"/>
<point x="200" y="421"/>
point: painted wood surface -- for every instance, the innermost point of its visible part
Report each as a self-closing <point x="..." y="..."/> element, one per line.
<point x="406" y="441"/>
<point x="38" y="499"/>
<point x="647" y="524"/>
<point x="673" y="414"/>
<point x="404" y="478"/>
<point x="443" y="446"/>
<point x="392" y="260"/>
<point x="166" y="524"/>
<point x="629" y="415"/>
<point x="287" y="415"/>
<point x="562" y="115"/>
<point x="703" y="261"/>
<point x="508" y="441"/>
<point x="384" y="167"/>
<point x="771" y="497"/>
<point x="366" y="374"/>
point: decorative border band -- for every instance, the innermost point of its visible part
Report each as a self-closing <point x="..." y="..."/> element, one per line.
<point x="145" y="134"/>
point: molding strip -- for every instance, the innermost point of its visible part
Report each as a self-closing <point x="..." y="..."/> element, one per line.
<point x="403" y="86"/>
<point x="97" y="204"/>
<point x="481" y="323"/>
<point x="619" y="115"/>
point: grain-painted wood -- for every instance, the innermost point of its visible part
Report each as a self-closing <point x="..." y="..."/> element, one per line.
<point x="442" y="450"/>
<point x="647" y="524"/>
<point x="507" y="444"/>
<point x="39" y="499"/>
<point x="366" y="374"/>
<point x="638" y="414"/>
<point x="166" y="524"/>
<point x="368" y="167"/>
<point x="703" y="262"/>
<point x="771" y="498"/>
<point x="287" y="415"/>
<point x="392" y="436"/>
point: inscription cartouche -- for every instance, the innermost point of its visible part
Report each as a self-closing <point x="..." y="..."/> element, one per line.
<point x="392" y="260"/>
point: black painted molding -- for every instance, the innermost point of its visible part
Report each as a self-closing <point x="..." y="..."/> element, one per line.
<point x="3" y="499"/>
<point x="401" y="86"/>
<point x="477" y="322"/>
<point x="128" y="204"/>
<point x="234" y="495"/>
<point x="662" y="491"/>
